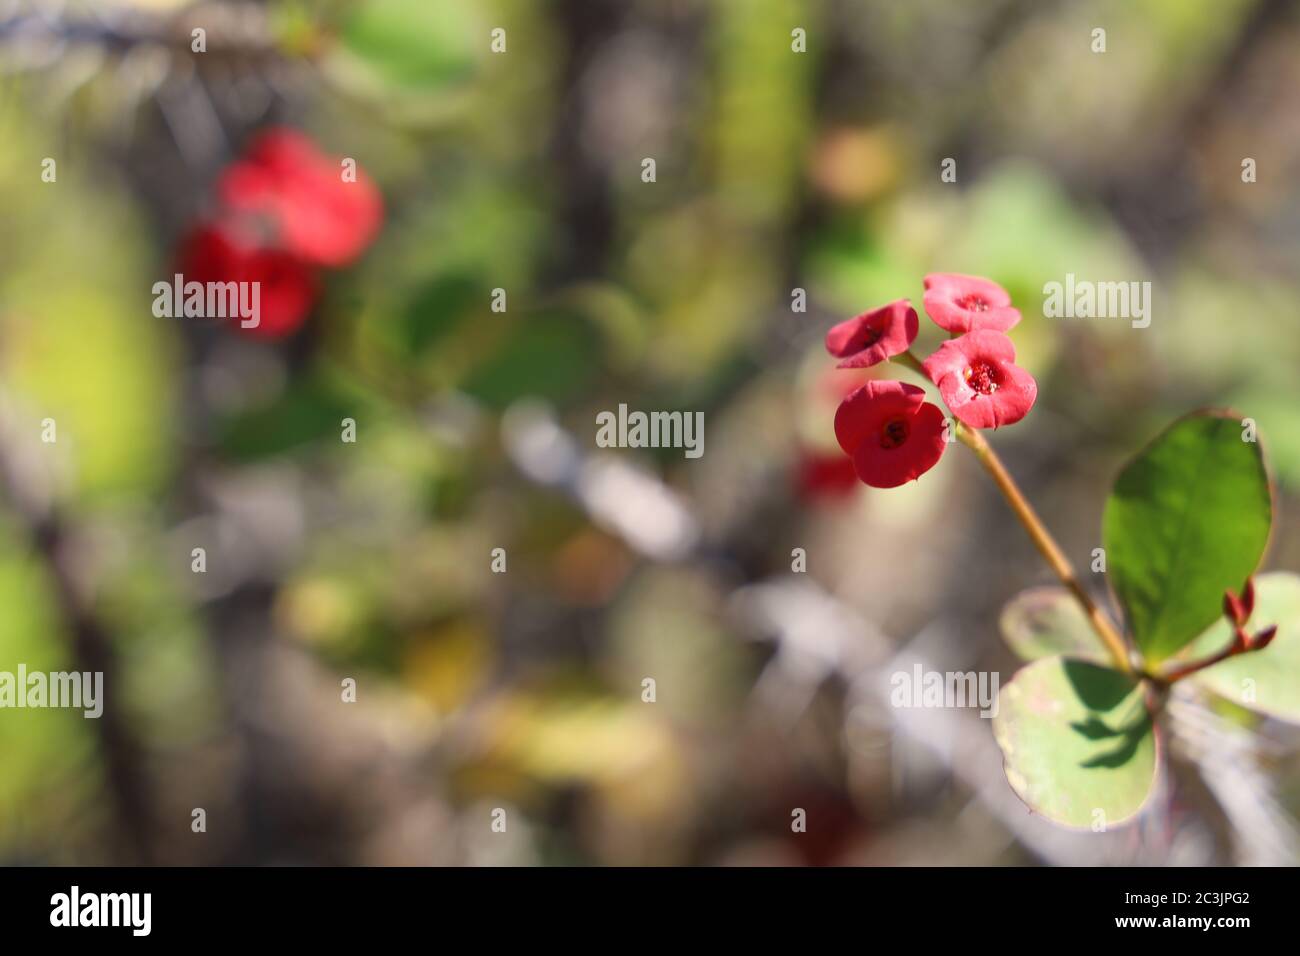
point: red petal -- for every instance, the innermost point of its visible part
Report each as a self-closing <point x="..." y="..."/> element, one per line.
<point x="872" y="337"/>
<point x="288" y="289"/>
<point x="287" y="286"/>
<point x="866" y="409"/>
<point x="882" y="467"/>
<point x="946" y="297"/>
<point x="1009" y="403"/>
<point x="320" y="217"/>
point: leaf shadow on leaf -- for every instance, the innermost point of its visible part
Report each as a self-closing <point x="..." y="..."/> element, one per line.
<point x="1102" y="689"/>
<point x="1130" y="737"/>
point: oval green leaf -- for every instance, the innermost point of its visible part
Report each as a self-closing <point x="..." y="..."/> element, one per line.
<point x="1266" y="681"/>
<point x="1077" y="740"/>
<point x="1048" y="622"/>
<point x="1187" y="518"/>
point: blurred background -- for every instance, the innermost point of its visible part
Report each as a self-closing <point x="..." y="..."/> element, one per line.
<point x="522" y="170"/>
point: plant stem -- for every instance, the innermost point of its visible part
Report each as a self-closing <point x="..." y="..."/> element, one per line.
<point x="912" y="362"/>
<point x="1045" y="543"/>
<point x="1038" y="532"/>
<point x="1186" y="670"/>
<point x="1191" y="667"/>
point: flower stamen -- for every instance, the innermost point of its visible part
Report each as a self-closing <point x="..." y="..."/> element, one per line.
<point x="983" y="378"/>
<point x="894" y="433"/>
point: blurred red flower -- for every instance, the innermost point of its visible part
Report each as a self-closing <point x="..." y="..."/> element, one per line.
<point x="287" y="285"/>
<point x="820" y="476"/>
<point x="316" y="213"/>
<point x="285" y="210"/>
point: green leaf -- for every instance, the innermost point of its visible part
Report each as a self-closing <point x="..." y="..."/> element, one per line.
<point x="552" y="356"/>
<point x="1267" y="681"/>
<point x="307" y="411"/>
<point x="414" y="43"/>
<point x="1187" y="518"/>
<point x="437" y="308"/>
<point x="1077" y="742"/>
<point x="1047" y="622"/>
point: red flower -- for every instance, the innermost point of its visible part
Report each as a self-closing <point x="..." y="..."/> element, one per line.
<point x="873" y="336"/>
<point x="892" y="434"/>
<point x="819" y="475"/>
<point x="318" y="215"/>
<point x="968" y="303"/>
<point x="287" y="288"/>
<point x="979" y="381"/>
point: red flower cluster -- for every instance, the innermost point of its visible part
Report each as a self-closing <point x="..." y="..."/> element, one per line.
<point x="285" y="211"/>
<point x="892" y="434"/>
